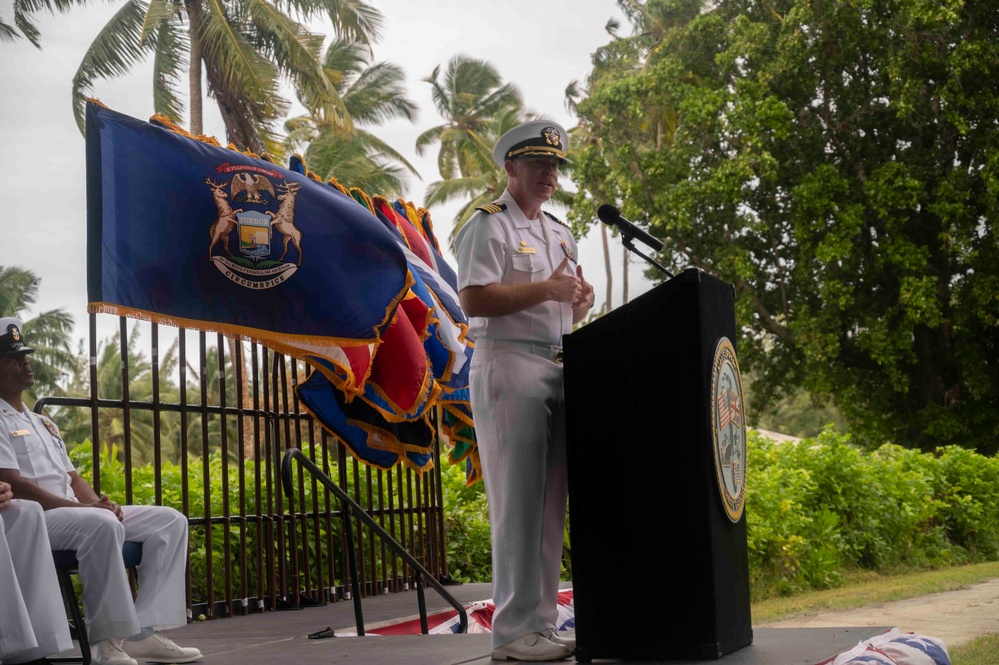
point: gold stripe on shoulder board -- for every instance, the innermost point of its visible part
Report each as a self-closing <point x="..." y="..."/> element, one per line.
<point x="556" y="219"/>
<point x="491" y="208"/>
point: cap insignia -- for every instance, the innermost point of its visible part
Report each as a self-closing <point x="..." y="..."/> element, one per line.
<point x="552" y="136"/>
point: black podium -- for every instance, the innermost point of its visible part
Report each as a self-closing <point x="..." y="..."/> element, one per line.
<point x="656" y="477"/>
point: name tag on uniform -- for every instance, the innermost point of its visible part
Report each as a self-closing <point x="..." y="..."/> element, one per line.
<point x="20" y="432"/>
<point x="524" y="249"/>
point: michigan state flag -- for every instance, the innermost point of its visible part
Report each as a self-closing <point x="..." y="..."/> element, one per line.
<point x="184" y="232"/>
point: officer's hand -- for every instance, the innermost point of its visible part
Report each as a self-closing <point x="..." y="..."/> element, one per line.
<point x="5" y="495"/>
<point x="106" y="503"/>
<point x="565" y="286"/>
<point x="585" y="299"/>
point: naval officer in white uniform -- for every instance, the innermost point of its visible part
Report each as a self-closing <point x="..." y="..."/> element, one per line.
<point x="32" y="618"/>
<point x="34" y="461"/>
<point x="519" y="280"/>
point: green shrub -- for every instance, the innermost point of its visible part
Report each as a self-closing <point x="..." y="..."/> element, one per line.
<point x="815" y="509"/>
<point x="818" y="507"/>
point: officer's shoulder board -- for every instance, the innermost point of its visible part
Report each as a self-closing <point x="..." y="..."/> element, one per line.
<point x="491" y="208"/>
<point x="556" y="219"/>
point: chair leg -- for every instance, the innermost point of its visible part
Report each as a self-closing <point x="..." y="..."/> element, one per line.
<point x="73" y="605"/>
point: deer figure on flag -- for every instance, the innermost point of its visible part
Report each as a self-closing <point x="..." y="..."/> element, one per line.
<point x="226" y="221"/>
<point x="284" y="219"/>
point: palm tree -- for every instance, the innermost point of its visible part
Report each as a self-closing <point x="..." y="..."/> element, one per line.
<point x="245" y="46"/>
<point x="47" y="333"/>
<point x="477" y="109"/>
<point x="488" y="180"/>
<point x="75" y="424"/>
<point x="195" y="439"/>
<point x="371" y="93"/>
<point x="469" y="97"/>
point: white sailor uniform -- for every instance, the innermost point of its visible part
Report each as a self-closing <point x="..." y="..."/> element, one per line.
<point x="31" y="443"/>
<point x="32" y="618"/>
<point x="517" y="404"/>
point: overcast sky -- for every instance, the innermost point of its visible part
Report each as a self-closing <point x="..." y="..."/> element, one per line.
<point x="541" y="47"/>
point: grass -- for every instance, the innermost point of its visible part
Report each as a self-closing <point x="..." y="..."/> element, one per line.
<point x="983" y="650"/>
<point x="861" y="590"/>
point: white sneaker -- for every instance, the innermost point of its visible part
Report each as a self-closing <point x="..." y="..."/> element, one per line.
<point x="109" y="652"/>
<point x="158" y="648"/>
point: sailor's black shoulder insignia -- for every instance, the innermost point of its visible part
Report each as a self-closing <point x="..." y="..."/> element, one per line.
<point x="556" y="219"/>
<point x="493" y="207"/>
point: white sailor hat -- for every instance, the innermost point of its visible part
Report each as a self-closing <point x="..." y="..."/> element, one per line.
<point x="11" y="342"/>
<point x="538" y="138"/>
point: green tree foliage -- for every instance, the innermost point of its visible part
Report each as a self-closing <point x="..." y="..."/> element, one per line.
<point x="837" y="163"/>
<point x="75" y="423"/>
<point x="372" y="93"/>
<point x="47" y="332"/>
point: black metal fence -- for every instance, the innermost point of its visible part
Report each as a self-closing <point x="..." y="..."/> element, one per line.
<point x="201" y="424"/>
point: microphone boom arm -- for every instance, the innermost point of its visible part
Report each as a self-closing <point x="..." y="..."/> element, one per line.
<point x="628" y="241"/>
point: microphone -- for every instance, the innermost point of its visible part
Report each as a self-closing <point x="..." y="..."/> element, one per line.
<point x="609" y="214"/>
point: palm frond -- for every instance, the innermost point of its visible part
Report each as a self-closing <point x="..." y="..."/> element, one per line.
<point x="243" y="72"/>
<point x="9" y="34"/>
<point x="117" y="47"/>
<point x="428" y="138"/>
<point x="20" y="290"/>
<point x="379" y="94"/>
<point x="169" y="64"/>
<point x="297" y="52"/>
<point x="158" y="13"/>
<point x="351" y="19"/>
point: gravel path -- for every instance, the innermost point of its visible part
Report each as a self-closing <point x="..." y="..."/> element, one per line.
<point x="955" y="617"/>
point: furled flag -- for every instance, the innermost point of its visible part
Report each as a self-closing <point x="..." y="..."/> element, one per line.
<point x="184" y="232"/>
<point x="364" y="431"/>
<point x="423" y="358"/>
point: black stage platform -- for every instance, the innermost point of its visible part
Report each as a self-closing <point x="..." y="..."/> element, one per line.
<point x="280" y="638"/>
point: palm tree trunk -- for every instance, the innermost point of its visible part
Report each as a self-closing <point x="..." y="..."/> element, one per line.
<point x="194" y="69"/>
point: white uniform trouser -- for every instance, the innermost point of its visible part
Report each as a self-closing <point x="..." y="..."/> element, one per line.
<point x="32" y="617"/>
<point x="517" y="405"/>
<point x="97" y="537"/>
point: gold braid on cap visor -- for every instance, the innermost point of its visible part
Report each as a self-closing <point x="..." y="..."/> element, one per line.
<point x="532" y="150"/>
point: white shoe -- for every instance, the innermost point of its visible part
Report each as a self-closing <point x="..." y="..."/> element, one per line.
<point x="109" y="652"/>
<point x="532" y="647"/>
<point x="568" y="641"/>
<point x="158" y="648"/>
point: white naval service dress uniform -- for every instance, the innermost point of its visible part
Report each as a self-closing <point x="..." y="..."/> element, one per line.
<point x="31" y="444"/>
<point x="517" y="405"/>
<point x="32" y="617"/>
